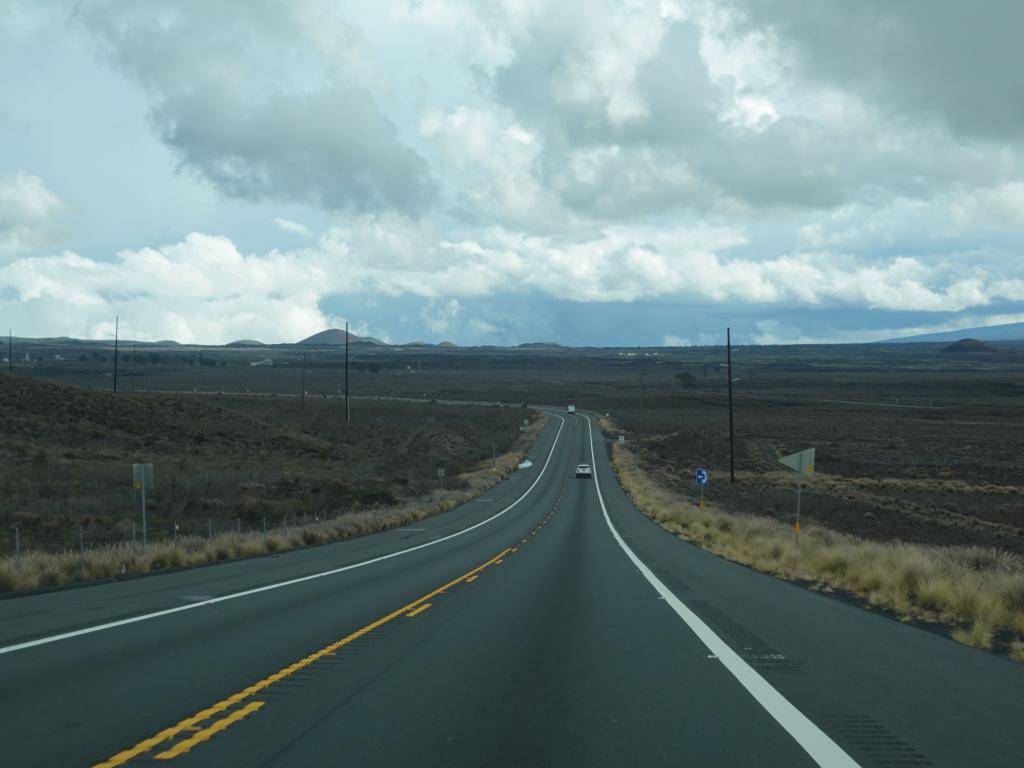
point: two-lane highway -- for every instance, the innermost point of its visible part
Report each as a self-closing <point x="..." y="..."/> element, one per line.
<point x="547" y="623"/>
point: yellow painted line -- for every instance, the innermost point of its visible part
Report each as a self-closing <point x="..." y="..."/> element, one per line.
<point x="514" y="549"/>
<point x="418" y="611"/>
<point x="207" y="733"/>
<point x="205" y="714"/>
<point x="471" y="578"/>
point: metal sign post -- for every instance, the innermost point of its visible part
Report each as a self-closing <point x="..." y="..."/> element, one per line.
<point x="142" y="481"/>
<point x="440" y="474"/>
<point x="803" y="463"/>
<point x="701" y="478"/>
<point x="732" y="450"/>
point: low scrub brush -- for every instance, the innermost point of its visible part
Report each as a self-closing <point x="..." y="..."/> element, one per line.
<point x="37" y="570"/>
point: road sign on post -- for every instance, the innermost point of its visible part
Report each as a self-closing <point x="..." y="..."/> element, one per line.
<point x="803" y="463"/>
<point x="701" y="477"/>
<point x="142" y="481"/>
<point x="440" y="474"/>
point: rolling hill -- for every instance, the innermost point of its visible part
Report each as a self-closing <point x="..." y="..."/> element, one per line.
<point x="335" y="337"/>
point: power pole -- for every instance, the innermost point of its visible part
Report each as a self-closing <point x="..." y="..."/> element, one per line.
<point x="117" y="321"/>
<point x="348" y="411"/>
<point x="303" y="382"/>
<point x="732" y="451"/>
<point x="10" y="352"/>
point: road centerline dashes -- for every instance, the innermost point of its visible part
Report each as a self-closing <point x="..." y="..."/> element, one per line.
<point x="231" y="712"/>
<point x="229" y="703"/>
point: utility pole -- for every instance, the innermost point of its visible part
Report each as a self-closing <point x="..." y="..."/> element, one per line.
<point x="117" y="321"/>
<point x="348" y="411"/>
<point x="732" y="451"/>
<point x="303" y="382"/>
<point x="10" y="352"/>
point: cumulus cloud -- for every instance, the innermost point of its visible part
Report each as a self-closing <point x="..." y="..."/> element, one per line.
<point x="199" y="290"/>
<point x="204" y="289"/>
<point x="491" y="166"/>
<point x="279" y="112"/>
<point x="29" y="213"/>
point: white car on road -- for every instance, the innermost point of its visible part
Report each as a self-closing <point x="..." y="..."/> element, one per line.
<point x="584" y="470"/>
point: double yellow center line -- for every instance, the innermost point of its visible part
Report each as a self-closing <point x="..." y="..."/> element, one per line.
<point x="190" y="724"/>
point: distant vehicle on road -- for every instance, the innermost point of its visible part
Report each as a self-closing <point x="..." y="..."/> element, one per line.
<point x="571" y="409"/>
<point x="584" y="470"/>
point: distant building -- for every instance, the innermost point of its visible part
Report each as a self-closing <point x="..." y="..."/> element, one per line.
<point x="264" y="361"/>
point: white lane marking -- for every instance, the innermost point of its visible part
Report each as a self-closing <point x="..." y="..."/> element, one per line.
<point x="810" y="737"/>
<point x="290" y="582"/>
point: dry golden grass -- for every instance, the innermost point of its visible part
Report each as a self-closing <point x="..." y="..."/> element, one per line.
<point x="982" y="590"/>
<point x="978" y="635"/>
<point x="1017" y="650"/>
<point x="41" y="569"/>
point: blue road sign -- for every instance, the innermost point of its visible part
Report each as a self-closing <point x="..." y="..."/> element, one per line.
<point x="702" y="476"/>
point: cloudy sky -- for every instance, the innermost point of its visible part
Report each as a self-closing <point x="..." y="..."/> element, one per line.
<point x="588" y="172"/>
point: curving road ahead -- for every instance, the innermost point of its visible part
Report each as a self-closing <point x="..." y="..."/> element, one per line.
<point x="546" y="623"/>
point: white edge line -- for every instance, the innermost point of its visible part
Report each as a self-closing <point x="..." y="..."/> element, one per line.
<point x="810" y="737"/>
<point x="290" y="582"/>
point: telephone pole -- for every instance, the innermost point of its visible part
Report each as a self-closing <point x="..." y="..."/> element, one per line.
<point x="10" y="352"/>
<point x="117" y="321"/>
<point x="303" y="382"/>
<point x="348" y="411"/>
<point x="732" y="451"/>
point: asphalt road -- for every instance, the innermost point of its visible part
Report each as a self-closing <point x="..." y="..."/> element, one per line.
<point x="563" y="630"/>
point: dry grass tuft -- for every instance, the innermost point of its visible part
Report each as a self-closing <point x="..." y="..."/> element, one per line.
<point x="1017" y="650"/>
<point x="980" y="589"/>
<point x="978" y="635"/>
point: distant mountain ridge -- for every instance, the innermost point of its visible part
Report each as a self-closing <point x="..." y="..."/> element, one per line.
<point x="1005" y="332"/>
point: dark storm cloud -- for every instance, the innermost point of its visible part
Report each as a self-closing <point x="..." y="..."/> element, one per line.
<point x="331" y="148"/>
<point x="956" y="61"/>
